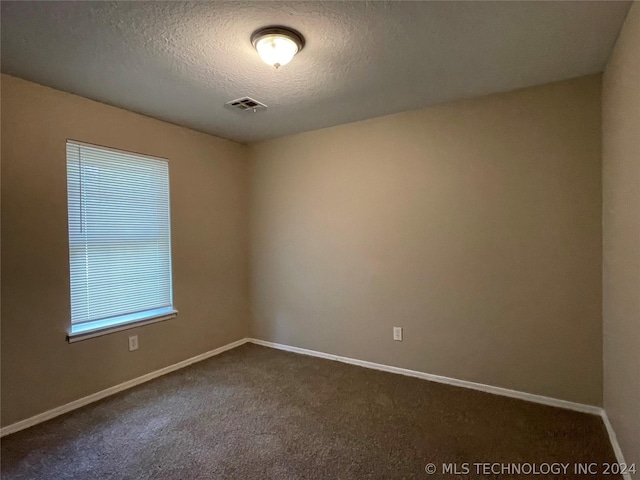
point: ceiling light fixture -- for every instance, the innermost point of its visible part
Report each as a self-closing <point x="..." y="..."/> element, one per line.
<point x="277" y="45"/>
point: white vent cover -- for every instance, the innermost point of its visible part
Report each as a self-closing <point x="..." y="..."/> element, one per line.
<point x="246" y="104"/>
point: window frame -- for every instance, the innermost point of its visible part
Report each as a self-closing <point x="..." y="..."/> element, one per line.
<point x="99" y="327"/>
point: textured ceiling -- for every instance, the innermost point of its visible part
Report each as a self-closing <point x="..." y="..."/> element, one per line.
<point x="181" y="61"/>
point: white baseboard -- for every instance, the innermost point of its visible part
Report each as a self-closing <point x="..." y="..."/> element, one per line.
<point x="614" y="443"/>
<point x="554" y="402"/>
<point x="94" y="397"/>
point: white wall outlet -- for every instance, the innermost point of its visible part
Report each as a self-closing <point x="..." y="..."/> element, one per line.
<point x="133" y="343"/>
<point x="397" y="334"/>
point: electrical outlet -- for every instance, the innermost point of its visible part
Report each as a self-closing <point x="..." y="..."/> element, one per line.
<point x="133" y="343"/>
<point x="397" y="334"/>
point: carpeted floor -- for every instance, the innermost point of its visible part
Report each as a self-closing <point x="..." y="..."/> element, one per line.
<point x="259" y="413"/>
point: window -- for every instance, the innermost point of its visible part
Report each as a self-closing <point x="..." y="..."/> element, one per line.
<point x="119" y="239"/>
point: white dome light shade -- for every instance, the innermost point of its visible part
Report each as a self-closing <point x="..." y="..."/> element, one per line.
<point x="276" y="45"/>
<point x="276" y="50"/>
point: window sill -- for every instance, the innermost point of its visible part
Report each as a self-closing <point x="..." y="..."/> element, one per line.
<point x="98" y="332"/>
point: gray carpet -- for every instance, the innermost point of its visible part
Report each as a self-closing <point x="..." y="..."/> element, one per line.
<point x="259" y="413"/>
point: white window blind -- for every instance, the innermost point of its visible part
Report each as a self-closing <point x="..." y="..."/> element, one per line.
<point x="119" y="237"/>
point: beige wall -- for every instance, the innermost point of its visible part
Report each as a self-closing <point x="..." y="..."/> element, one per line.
<point x="209" y="201"/>
<point x="621" y="231"/>
<point x="476" y="226"/>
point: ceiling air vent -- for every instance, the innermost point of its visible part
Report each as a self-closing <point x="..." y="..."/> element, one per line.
<point x="246" y="104"/>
